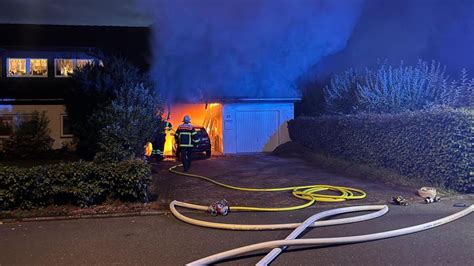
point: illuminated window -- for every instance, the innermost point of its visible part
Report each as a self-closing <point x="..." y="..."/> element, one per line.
<point x="65" y="67"/>
<point x="26" y="67"/>
<point x="83" y="62"/>
<point x="16" y="67"/>
<point x="38" y="67"/>
<point x="6" y="125"/>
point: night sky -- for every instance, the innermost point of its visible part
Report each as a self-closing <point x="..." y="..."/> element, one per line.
<point x="73" y="12"/>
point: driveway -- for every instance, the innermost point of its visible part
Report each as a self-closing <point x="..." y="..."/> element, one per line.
<point x="263" y="171"/>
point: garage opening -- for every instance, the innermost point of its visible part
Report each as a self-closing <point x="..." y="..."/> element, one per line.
<point x="208" y="116"/>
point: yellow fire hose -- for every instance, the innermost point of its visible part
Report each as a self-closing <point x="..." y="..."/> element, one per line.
<point x="308" y="192"/>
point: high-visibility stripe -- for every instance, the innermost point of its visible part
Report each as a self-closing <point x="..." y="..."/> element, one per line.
<point x="189" y="142"/>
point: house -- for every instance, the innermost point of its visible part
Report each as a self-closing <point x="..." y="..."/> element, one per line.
<point x="36" y="63"/>
<point x="38" y="60"/>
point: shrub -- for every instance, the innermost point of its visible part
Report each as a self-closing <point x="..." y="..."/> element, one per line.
<point x="31" y="137"/>
<point x="388" y="89"/>
<point x="95" y="87"/>
<point x="128" y="123"/>
<point x="434" y="145"/>
<point x="80" y="183"/>
<point x="313" y="100"/>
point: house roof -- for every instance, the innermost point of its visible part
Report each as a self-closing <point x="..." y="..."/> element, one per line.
<point x="130" y="42"/>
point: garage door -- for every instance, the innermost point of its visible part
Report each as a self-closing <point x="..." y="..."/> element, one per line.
<point x="257" y="130"/>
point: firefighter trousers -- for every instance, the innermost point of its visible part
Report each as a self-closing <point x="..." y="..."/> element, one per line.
<point x="186" y="158"/>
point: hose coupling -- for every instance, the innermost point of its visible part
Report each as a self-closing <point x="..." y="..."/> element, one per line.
<point x="400" y="201"/>
<point x="219" y="207"/>
<point x="432" y="199"/>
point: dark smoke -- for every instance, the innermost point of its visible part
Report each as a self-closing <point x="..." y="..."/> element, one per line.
<point x="211" y="49"/>
<point x="408" y="30"/>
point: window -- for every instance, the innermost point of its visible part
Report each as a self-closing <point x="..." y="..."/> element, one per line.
<point x="38" y="67"/>
<point x="65" y="127"/>
<point x="65" y="67"/>
<point x="6" y="125"/>
<point x="16" y="67"/>
<point x="26" y="67"/>
<point x="83" y="62"/>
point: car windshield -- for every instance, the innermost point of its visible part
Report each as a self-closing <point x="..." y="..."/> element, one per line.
<point x="201" y="132"/>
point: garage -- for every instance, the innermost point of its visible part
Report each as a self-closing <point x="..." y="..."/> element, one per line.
<point x="240" y="125"/>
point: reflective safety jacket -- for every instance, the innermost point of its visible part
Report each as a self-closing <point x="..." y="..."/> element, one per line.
<point x="148" y="149"/>
<point x="186" y="136"/>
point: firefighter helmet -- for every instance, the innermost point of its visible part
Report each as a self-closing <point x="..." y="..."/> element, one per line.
<point x="187" y="119"/>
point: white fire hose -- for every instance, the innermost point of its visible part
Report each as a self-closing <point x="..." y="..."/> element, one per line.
<point x="278" y="246"/>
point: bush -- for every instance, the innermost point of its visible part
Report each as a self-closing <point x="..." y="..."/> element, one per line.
<point x="128" y="123"/>
<point x="80" y="183"/>
<point x="95" y="87"/>
<point x="313" y="100"/>
<point x="388" y="89"/>
<point x="434" y="145"/>
<point x="31" y="137"/>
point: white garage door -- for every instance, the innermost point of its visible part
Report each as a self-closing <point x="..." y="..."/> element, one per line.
<point x="257" y="130"/>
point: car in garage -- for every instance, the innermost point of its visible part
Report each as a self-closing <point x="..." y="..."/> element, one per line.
<point x="201" y="147"/>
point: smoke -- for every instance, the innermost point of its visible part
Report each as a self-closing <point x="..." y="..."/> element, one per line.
<point x="409" y="30"/>
<point x="211" y="49"/>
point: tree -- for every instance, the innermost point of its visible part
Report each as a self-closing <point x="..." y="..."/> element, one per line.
<point x="94" y="90"/>
<point x="129" y="122"/>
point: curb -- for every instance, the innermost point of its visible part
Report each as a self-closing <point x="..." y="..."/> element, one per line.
<point x="460" y="197"/>
<point x="155" y="213"/>
<point x="86" y="216"/>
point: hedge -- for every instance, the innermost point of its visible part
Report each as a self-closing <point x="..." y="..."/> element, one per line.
<point x="80" y="183"/>
<point x="434" y="145"/>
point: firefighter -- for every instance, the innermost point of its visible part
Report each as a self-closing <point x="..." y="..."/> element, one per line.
<point x="185" y="139"/>
<point x="159" y="141"/>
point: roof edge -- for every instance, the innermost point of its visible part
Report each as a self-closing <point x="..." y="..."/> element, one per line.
<point x="73" y="25"/>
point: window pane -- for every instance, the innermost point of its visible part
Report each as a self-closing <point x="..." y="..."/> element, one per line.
<point x="16" y="67"/>
<point x="64" y="67"/>
<point x="39" y="67"/>
<point x="6" y="125"/>
<point x="83" y="62"/>
<point x="66" y="130"/>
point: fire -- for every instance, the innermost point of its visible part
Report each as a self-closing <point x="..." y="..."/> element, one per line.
<point x="208" y="116"/>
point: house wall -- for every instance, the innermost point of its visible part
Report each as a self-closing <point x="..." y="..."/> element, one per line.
<point x="53" y="112"/>
<point x="255" y="127"/>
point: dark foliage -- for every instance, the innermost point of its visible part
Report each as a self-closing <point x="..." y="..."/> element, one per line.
<point x="80" y="183"/>
<point x="313" y="100"/>
<point x="396" y="89"/>
<point x="434" y="145"/>
<point x="131" y="120"/>
<point x="95" y="87"/>
<point x="30" y="138"/>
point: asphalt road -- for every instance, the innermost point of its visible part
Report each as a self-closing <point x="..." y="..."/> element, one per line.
<point x="163" y="240"/>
